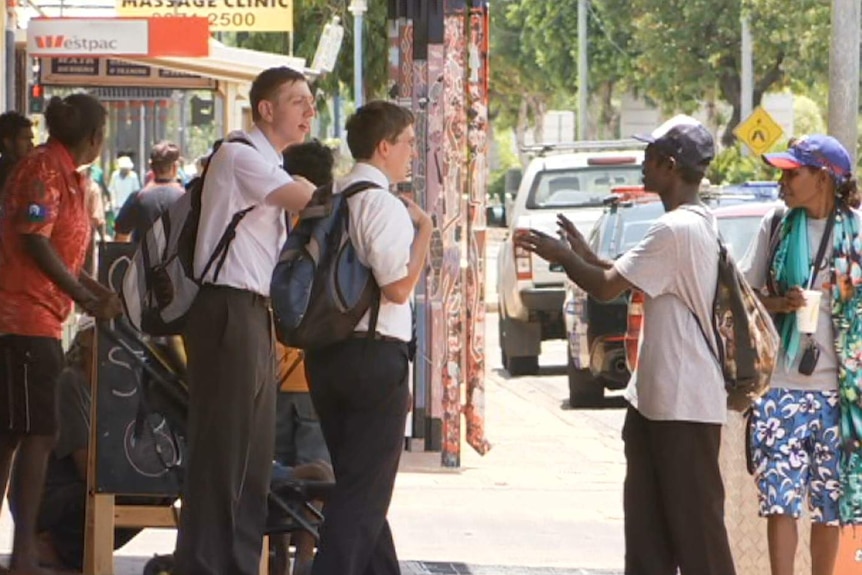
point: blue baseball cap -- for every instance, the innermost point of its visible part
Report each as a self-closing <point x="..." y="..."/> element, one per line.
<point x="816" y="151"/>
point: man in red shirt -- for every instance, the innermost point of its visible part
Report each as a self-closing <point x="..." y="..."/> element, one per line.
<point x="44" y="235"/>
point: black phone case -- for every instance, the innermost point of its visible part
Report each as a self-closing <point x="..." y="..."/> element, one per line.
<point x="809" y="359"/>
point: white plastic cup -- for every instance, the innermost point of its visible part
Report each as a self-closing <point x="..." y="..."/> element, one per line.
<point x="806" y="316"/>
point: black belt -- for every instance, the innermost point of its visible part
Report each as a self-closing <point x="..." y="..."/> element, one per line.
<point x="377" y="337"/>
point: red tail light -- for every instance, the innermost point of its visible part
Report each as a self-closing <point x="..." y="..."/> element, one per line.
<point x="523" y="261"/>
<point x="634" y="328"/>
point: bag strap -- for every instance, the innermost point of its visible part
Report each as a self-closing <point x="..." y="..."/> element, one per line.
<point x="722" y="255"/>
<point x="221" y="250"/>
<point x="821" y="250"/>
<point x="347" y="193"/>
<point x="774" y="241"/>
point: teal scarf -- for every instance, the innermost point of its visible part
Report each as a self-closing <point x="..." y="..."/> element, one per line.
<point x="846" y="288"/>
<point x="791" y="268"/>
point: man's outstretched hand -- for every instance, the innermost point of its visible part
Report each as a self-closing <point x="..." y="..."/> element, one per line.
<point x="546" y="247"/>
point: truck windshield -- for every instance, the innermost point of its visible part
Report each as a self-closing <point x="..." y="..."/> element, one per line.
<point x="580" y="187"/>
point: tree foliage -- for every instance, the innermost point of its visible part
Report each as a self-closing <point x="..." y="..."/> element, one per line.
<point x="309" y="17"/>
<point x="676" y="53"/>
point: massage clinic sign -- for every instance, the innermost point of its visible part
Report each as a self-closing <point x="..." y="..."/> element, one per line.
<point x="223" y="15"/>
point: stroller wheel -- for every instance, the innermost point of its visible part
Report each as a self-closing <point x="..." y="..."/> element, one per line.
<point x="159" y="565"/>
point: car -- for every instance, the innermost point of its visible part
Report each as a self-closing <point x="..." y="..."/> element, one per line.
<point x="573" y="180"/>
<point x="738" y="225"/>
<point x="595" y="329"/>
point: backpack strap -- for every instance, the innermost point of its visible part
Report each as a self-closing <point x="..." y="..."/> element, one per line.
<point x="347" y="193"/>
<point x="221" y="250"/>
<point x="722" y="255"/>
<point x="774" y="241"/>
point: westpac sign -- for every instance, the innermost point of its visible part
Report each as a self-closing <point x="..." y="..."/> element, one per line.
<point x="142" y="37"/>
<point x="87" y="37"/>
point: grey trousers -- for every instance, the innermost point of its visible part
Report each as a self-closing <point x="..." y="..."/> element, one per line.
<point x="231" y="372"/>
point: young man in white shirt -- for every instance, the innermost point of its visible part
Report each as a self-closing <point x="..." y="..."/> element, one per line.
<point x="359" y="386"/>
<point x="673" y="495"/>
<point x="228" y="335"/>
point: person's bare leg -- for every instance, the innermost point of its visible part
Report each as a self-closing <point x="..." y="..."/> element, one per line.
<point x="782" y="536"/>
<point x="28" y="484"/>
<point x="280" y="543"/>
<point x="825" y="540"/>
<point x="8" y="443"/>
<point x="304" y="557"/>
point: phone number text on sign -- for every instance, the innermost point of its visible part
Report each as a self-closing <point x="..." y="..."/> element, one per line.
<point x="223" y="15"/>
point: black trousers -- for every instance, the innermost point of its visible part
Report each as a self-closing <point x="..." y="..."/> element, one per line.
<point x="674" y="498"/>
<point x="231" y="429"/>
<point x="360" y="393"/>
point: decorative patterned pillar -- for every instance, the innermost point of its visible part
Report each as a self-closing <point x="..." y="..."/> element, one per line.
<point x="438" y="66"/>
<point x="478" y="28"/>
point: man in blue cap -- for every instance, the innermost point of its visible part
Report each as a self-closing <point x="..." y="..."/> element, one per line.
<point x="673" y="494"/>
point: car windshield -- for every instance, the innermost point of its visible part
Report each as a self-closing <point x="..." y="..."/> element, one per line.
<point x="580" y="187"/>
<point x="738" y="232"/>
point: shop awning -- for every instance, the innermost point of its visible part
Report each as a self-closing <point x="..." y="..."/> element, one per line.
<point x="237" y="65"/>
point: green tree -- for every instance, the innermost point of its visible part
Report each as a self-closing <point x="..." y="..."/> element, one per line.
<point x="534" y="55"/>
<point x="309" y="17"/>
<point x="688" y="51"/>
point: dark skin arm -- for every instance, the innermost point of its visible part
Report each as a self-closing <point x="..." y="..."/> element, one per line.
<point x="579" y="243"/>
<point x="787" y="303"/>
<point x="602" y="283"/>
<point x="96" y="299"/>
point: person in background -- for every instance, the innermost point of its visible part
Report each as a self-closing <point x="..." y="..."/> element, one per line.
<point x="16" y="141"/>
<point x="124" y="182"/>
<point x="44" y="235"/>
<point x="796" y="438"/>
<point x="144" y="207"/>
<point x="96" y="209"/>
<point x="298" y="437"/>
<point x="95" y="202"/>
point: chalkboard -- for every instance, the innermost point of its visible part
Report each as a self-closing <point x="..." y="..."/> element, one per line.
<point x="138" y="449"/>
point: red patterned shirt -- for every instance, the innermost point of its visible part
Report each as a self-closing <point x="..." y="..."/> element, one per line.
<point x="45" y="195"/>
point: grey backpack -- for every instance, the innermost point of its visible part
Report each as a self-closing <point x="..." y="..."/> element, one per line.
<point x="160" y="285"/>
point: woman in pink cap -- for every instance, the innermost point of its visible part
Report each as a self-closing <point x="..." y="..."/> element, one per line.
<point x="805" y="432"/>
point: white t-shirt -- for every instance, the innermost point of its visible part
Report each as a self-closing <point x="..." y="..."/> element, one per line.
<point x="382" y="233"/>
<point x="240" y="176"/>
<point x="754" y="265"/>
<point x="121" y="188"/>
<point x="676" y="266"/>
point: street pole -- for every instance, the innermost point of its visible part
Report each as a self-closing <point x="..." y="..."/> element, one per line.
<point x="8" y="88"/>
<point x="844" y="73"/>
<point x="583" y="72"/>
<point x="357" y="8"/>
<point x="747" y="74"/>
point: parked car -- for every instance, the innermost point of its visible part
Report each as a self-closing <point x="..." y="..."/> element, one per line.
<point x="738" y="225"/>
<point x="595" y="329"/>
<point x="572" y="180"/>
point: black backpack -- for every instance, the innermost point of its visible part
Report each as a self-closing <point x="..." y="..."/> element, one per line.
<point x="320" y="290"/>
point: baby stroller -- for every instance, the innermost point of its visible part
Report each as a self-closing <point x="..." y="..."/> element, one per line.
<point x="164" y="393"/>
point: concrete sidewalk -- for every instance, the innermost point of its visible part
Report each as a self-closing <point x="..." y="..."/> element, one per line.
<point x="547" y="499"/>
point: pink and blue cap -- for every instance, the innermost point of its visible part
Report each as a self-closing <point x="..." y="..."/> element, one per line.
<point x="816" y="151"/>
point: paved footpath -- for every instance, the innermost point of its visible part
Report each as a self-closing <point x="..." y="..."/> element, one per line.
<point x="545" y="500"/>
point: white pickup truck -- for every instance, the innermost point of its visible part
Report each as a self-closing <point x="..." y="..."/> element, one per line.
<point x="572" y="179"/>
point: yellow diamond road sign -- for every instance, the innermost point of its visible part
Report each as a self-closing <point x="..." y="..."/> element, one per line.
<point x="759" y="131"/>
